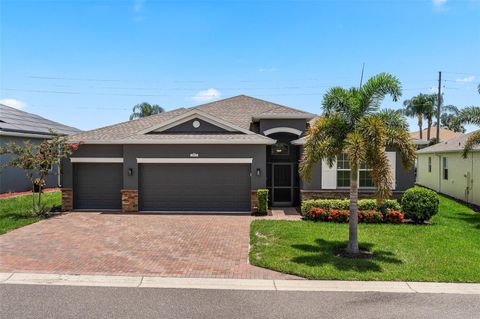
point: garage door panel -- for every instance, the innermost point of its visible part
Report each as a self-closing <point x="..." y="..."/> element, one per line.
<point x="195" y="187"/>
<point x="98" y="185"/>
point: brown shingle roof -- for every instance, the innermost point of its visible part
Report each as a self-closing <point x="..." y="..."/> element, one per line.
<point x="237" y="110"/>
<point x="240" y="110"/>
<point x="451" y="145"/>
<point x="445" y="134"/>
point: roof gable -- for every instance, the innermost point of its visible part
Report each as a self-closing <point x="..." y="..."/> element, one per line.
<point x="191" y="115"/>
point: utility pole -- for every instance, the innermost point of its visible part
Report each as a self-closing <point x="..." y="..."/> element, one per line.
<point x="361" y="77"/>
<point x="439" y="102"/>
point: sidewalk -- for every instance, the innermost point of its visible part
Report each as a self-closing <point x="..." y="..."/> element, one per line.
<point x="239" y="284"/>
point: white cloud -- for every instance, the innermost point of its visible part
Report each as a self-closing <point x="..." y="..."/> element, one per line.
<point x="467" y="79"/>
<point x="206" y="95"/>
<point x="439" y="3"/>
<point x="13" y="103"/>
<point x="138" y="5"/>
<point x="267" y="70"/>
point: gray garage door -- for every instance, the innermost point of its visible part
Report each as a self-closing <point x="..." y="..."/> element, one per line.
<point x="97" y="186"/>
<point x="194" y="187"/>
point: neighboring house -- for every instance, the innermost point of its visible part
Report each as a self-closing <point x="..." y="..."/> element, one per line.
<point x="212" y="157"/>
<point x="442" y="168"/>
<point x="445" y="134"/>
<point x="18" y="126"/>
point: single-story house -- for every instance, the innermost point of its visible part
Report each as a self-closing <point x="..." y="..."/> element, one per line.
<point x="18" y="126"/>
<point x="445" y="134"/>
<point x="211" y="157"/>
<point x="442" y="168"/>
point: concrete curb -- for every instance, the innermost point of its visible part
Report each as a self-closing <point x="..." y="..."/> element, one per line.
<point x="239" y="284"/>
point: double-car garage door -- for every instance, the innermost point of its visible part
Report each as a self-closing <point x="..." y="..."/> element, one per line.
<point x="194" y="187"/>
<point x="165" y="187"/>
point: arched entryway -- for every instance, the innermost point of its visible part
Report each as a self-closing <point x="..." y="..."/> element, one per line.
<point x="282" y="170"/>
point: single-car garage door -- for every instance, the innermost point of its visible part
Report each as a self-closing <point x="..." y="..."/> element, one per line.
<point x="194" y="187"/>
<point x="97" y="186"/>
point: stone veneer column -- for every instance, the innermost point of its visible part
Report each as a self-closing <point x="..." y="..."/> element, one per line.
<point x="253" y="201"/>
<point x="67" y="199"/>
<point x="129" y="200"/>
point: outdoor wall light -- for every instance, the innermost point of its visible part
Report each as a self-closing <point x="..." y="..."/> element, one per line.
<point x="259" y="172"/>
<point x="130" y="171"/>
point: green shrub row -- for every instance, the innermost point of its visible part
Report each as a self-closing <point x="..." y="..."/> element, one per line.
<point x="343" y="204"/>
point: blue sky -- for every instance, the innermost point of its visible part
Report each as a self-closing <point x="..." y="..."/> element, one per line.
<point x="86" y="63"/>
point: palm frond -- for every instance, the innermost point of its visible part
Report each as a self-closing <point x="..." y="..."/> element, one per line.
<point x="394" y="119"/>
<point x="376" y="88"/>
<point x="355" y="149"/>
<point x="323" y="141"/>
<point x="470" y="115"/>
<point x="472" y="141"/>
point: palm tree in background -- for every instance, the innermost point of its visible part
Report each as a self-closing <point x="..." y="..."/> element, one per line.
<point x="421" y="106"/>
<point x="351" y="124"/>
<point x="470" y="115"/>
<point x="145" y="109"/>
<point x="450" y="120"/>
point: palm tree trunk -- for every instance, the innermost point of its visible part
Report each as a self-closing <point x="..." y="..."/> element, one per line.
<point x="429" y="124"/>
<point x="420" y="125"/>
<point x="352" y="247"/>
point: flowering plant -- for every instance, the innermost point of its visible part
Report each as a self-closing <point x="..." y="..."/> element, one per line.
<point x="38" y="160"/>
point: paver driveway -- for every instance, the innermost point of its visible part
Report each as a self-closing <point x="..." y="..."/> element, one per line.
<point x="161" y="245"/>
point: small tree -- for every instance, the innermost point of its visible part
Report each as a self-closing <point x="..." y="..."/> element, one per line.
<point x="37" y="161"/>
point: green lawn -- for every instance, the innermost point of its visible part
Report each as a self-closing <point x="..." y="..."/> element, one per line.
<point x="15" y="212"/>
<point x="448" y="250"/>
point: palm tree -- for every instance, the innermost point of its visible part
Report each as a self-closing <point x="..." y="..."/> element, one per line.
<point x="145" y="109"/>
<point x="351" y="124"/>
<point x="450" y="120"/>
<point x="421" y="106"/>
<point x="470" y="115"/>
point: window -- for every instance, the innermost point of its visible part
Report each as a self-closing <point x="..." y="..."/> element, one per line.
<point x="343" y="173"/>
<point x="445" y="168"/>
<point x="280" y="148"/>
<point x="429" y="164"/>
<point x="365" y="176"/>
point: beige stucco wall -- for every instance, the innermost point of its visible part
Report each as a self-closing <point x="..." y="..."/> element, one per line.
<point x="458" y="170"/>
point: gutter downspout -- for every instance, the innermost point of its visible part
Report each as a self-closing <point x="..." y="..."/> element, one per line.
<point x="439" y="173"/>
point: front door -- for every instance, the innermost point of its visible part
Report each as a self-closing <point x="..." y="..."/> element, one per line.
<point x="282" y="176"/>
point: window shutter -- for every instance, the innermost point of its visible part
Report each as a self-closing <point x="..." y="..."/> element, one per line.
<point x="392" y="157"/>
<point x="329" y="175"/>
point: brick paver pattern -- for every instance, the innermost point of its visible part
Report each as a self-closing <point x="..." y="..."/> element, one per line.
<point x="158" y="245"/>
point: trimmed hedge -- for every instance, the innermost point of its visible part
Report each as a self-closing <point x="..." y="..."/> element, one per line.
<point x="343" y="204"/>
<point x="262" y="198"/>
<point x="420" y="204"/>
<point x="343" y="216"/>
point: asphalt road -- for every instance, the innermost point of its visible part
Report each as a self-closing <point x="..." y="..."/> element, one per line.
<point x="32" y="301"/>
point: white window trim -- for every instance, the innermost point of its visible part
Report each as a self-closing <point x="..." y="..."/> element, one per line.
<point x="282" y="130"/>
<point x="96" y="159"/>
<point x="358" y="177"/>
<point x="194" y="160"/>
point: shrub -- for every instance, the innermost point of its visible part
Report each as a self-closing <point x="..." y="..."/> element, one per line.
<point x="317" y="214"/>
<point x="367" y="204"/>
<point x="389" y="205"/>
<point x="340" y="216"/>
<point x="262" y="198"/>
<point x="394" y="217"/>
<point x="419" y="204"/>
<point x="370" y="216"/>
<point x="324" y="204"/>
<point x="343" y="204"/>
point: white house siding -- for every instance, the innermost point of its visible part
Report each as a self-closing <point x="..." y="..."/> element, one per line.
<point x="461" y="173"/>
